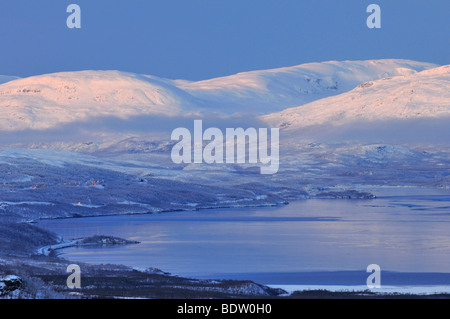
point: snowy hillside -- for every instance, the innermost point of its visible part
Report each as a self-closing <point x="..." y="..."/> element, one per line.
<point x="121" y="172"/>
<point x="269" y="91"/>
<point x="420" y="95"/>
<point x="7" y="78"/>
<point x="46" y="101"/>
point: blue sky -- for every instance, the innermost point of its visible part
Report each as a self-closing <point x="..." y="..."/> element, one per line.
<point x="200" y="39"/>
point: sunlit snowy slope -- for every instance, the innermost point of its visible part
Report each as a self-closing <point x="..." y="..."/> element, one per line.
<point x="419" y="95"/>
<point x="6" y="78"/>
<point x="128" y="171"/>
<point x="269" y="91"/>
<point x="46" y="101"/>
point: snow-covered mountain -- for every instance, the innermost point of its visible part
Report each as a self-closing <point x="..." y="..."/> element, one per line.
<point x="419" y="95"/>
<point x="44" y="101"/>
<point x="274" y="90"/>
<point x="133" y="170"/>
<point x="47" y="101"/>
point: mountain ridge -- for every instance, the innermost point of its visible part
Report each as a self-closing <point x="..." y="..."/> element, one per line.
<point x="46" y="101"/>
<point x="421" y="95"/>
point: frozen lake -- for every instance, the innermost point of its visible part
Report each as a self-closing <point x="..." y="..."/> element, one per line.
<point x="403" y="230"/>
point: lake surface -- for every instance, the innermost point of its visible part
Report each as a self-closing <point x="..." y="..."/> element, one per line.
<point x="403" y="230"/>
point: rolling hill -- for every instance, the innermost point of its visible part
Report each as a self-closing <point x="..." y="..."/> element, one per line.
<point x="50" y="100"/>
<point x="415" y="96"/>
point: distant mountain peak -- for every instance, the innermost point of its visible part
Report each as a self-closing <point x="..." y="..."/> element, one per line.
<point x="418" y="95"/>
<point x="46" y="101"/>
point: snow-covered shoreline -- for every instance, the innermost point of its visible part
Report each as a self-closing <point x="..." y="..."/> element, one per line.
<point x="88" y="241"/>
<point x="384" y="290"/>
